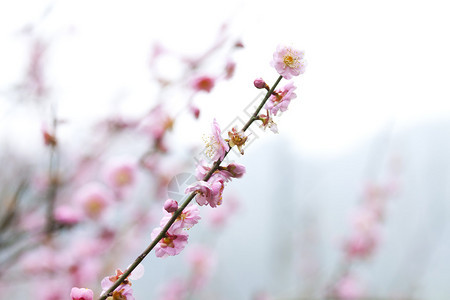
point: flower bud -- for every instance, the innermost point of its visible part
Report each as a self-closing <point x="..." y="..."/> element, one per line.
<point x="260" y="84"/>
<point x="170" y="205"/>
<point x="195" y="111"/>
<point x="236" y="170"/>
<point x="49" y="139"/>
<point x="229" y="69"/>
<point x="239" y="44"/>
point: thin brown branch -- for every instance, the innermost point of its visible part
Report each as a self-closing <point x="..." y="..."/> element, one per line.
<point x="175" y="215"/>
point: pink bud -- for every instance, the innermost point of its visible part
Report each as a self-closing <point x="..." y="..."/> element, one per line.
<point x="170" y="205"/>
<point x="195" y="111"/>
<point x="239" y="44"/>
<point x="229" y="69"/>
<point x="260" y="83"/>
<point x="236" y="170"/>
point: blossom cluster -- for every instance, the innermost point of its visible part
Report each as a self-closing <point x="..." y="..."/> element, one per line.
<point x="211" y="178"/>
<point x="171" y="237"/>
<point x="288" y="62"/>
<point x="208" y="192"/>
<point x="363" y="239"/>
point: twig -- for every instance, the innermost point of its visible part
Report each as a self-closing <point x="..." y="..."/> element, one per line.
<point x="175" y="215"/>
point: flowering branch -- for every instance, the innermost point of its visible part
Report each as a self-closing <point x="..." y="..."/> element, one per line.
<point x="188" y="200"/>
<point x="288" y="63"/>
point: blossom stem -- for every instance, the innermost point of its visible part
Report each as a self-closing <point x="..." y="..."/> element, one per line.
<point x="254" y="117"/>
<point x="180" y="209"/>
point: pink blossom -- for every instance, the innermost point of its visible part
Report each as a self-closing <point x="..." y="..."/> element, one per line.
<point x="188" y="218"/>
<point x="362" y="243"/>
<point x="237" y="138"/>
<point x="41" y="260"/>
<point x="288" y="62"/>
<point x="81" y="294"/>
<point x="208" y="192"/>
<point x="174" y="290"/>
<point x="156" y="123"/>
<point x="236" y="170"/>
<point x="83" y="268"/>
<point x="49" y="288"/>
<point x="32" y="221"/>
<point x="67" y="215"/>
<point x="216" y="146"/>
<point x="202" y="169"/>
<point x="348" y="288"/>
<point x="262" y="296"/>
<point x="124" y="290"/>
<point x="365" y="235"/>
<point x="229" y="69"/>
<point x="202" y="260"/>
<point x="203" y="83"/>
<point x="281" y="100"/>
<point x="170" y="205"/>
<point x="219" y="217"/>
<point x="35" y="76"/>
<point x="94" y="199"/>
<point x="233" y="170"/>
<point x="172" y="244"/>
<point x="267" y="121"/>
<point x="365" y="218"/>
<point x="120" y="173"/>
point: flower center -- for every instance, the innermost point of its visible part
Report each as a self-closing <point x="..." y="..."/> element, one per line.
<point x="168" y="241"/>
<point x="290" y="59"/>
<point x="211" y="146"/>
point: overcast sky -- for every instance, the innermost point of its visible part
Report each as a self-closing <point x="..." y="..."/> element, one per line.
<point x="371" y="65"/>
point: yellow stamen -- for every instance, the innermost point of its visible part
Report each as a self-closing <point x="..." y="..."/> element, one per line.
<point x="291" y="60"/>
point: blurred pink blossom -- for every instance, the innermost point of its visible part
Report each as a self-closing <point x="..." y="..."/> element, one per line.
<point x="67" y="215"/>
<point x="362" y="243"/>
<point x="156" y="124"/>
<point x="81" y="294"/>
<point x="174" y="290"/>
<point x="203" y="83"/>
<point x="348" y="288"/>
<point x="219" y="217"/>
<point x="35" y="80"/>
<point x="94" y="198"/>
<point x="120" y="174"/>
<point x="202" y="260"/>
